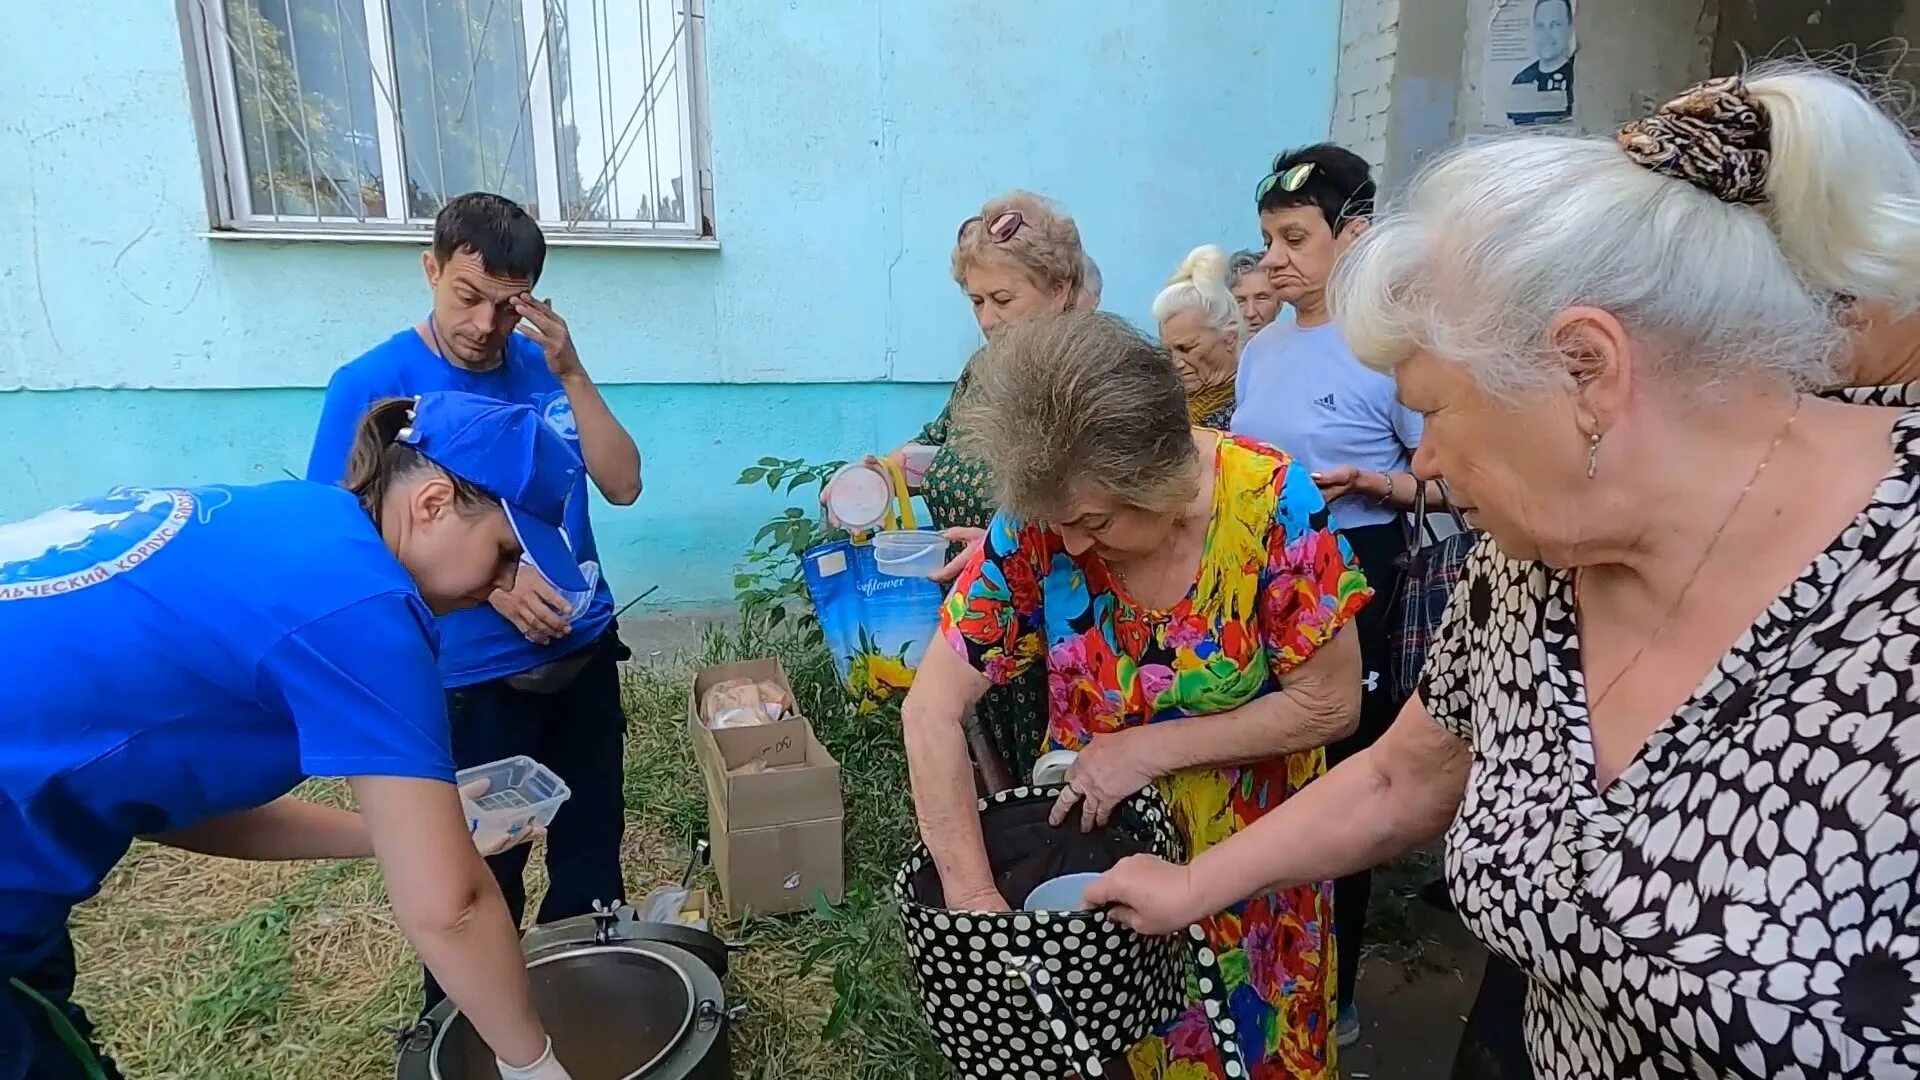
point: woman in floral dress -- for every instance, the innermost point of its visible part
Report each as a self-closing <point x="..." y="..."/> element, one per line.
<point x="1188" y="601"/>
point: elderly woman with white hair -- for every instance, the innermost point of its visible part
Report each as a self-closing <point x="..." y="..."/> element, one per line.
<point x="1201" y="327"/>
<point x="1671" y="727"/>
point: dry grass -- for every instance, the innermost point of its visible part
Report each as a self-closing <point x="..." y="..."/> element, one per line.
<point x="207" y="969"/>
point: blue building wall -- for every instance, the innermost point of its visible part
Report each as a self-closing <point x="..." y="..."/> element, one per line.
<point x="848" y="138"/>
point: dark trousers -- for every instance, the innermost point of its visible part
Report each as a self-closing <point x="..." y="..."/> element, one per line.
<point x="30" y="1048"/>
<point x="579" y="732"/>
<point x="1493" y="1045"/>
<point x="1378" y="549"/>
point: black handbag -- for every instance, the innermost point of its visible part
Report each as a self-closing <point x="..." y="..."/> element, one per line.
<point x="1052" y="993"/>
<point x="1431" y="568"/>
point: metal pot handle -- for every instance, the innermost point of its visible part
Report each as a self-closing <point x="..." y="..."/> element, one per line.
<point x="1031" y="973"/>
<point x="1213" y="997"/>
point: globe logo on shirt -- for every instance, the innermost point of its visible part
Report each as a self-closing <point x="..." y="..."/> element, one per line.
<point x="83" y="544"/>
<point x="557" y="411"/>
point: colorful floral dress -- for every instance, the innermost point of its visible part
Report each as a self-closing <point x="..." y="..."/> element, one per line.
<point x="1275" y="583"/>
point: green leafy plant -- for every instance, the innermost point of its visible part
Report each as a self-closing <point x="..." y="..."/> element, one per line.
<point x="769" y="585"/>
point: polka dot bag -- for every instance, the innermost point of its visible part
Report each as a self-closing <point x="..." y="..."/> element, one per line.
<point x="1038" y="995"/>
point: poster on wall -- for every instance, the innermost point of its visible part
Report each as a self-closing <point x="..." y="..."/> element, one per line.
<point x="1527" y="71"/>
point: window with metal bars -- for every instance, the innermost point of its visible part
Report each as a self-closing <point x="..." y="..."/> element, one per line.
<point x="360" y="118"/>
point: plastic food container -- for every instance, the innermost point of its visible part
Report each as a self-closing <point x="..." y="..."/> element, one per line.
<point x="912" y="554"/>
<point x="510" y="796"/>
<point x="858" y="496"/>
<point x="915" y="460"/>
<point x="1064" y="893"/>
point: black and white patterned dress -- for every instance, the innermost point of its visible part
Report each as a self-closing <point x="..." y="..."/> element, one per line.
<point x="1741" y="901"/>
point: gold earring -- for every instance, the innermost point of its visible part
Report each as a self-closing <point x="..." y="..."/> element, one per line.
<point x="1593" y="454"/>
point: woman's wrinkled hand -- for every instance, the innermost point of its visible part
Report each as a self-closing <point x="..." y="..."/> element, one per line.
<point x="974" y="539"/>
<point x="1148" y="895"/>
<point x="1108" y="770"/>
<point x="986" y="898"/>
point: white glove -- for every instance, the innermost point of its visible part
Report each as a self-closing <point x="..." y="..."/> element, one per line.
<point x="547" y="1068"/>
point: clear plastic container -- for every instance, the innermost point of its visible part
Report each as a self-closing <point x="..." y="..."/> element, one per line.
<point x="510" y="796"/>
<point x="915" y="460"/>
<point x="909" y="553"/>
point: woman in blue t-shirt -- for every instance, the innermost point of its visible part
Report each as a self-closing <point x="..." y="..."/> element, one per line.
<point x="1301" y="389"/>
<point x="177" y="660"/>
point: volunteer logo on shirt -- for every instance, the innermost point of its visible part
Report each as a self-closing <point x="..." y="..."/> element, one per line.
<point x="558" y="413"/>
<point x="85" y="543"/>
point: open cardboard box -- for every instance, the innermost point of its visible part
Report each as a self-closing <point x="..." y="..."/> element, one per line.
<point x="775" y="814"/>
<point x="776" y="742"/>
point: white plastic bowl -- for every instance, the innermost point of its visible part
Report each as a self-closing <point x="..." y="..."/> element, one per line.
<point x="909" y="554"/>
<point x="510" y="796"/>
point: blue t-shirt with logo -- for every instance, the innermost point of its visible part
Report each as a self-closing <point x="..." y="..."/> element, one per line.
<point x="170" y="655"/>
<point x="1305" y="392"/>
<point x="476" y="645"/>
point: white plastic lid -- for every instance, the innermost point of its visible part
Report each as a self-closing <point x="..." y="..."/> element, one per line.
<point x="858" y="496"/>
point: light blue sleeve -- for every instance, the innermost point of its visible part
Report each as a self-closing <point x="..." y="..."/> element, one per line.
<point x="362" y="687"/>
<point x="346" y="403"/>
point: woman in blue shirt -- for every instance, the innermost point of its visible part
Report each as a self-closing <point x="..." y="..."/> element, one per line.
<point x="1301" y="389"/>
<point x="177" y="660"/>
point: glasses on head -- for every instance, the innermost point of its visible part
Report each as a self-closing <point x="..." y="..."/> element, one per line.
<point x="1004" y="226"/>
<point x="1288" y="180"/>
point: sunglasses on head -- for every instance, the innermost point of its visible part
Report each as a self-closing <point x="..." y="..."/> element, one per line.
<point x="1004" y="226"/>
<point x="1287" y="180"/>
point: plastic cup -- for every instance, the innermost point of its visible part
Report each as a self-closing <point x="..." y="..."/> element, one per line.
<point x="910" y="554"/>
<point x="1052" y="767"/>
<point x="915" y="460"/>
<point x="1064" y="893"/>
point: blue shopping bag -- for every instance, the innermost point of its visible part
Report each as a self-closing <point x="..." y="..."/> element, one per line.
<point x="876" y="625"/>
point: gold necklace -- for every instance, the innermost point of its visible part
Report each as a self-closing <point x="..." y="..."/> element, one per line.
<point x="1593" y="703"/>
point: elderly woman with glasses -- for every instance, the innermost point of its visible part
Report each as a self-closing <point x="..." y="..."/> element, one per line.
<point x="1302" y="389"/>
<point x="1187" y="603"/>
<point x="1669" y="725"/>
<point x="1018" y="258"/>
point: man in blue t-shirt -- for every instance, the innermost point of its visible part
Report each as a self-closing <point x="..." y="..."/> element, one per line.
<point x="528" y="673"/>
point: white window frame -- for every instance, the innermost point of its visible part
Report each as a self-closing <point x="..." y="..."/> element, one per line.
<point x="223" y="157"/>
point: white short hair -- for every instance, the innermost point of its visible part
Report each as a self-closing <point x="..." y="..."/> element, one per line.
<point x="1201" y="284"/>
<point x="1494" y="240"/>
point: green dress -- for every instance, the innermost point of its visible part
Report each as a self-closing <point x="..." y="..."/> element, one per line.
<point x="959" y="494"/>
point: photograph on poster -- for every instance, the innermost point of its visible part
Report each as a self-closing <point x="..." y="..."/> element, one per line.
<point x="1528" y="66"/>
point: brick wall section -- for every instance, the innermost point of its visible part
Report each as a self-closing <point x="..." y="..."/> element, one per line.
<point x="1363" y="88"/>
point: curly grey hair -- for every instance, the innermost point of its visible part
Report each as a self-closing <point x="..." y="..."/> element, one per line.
<point x="1068" y="406"/>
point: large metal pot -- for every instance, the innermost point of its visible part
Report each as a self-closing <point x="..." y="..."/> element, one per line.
<point x="623" y="999"/>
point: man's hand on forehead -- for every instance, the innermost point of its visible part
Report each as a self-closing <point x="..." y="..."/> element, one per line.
<point x="549" y="331"/>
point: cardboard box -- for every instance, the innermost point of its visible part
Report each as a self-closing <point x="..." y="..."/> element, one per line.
<point x="779" y="742"/>
<point x="774" y="809"/>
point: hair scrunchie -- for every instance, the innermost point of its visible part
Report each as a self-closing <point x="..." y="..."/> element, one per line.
<point x="1714" y="136"/>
